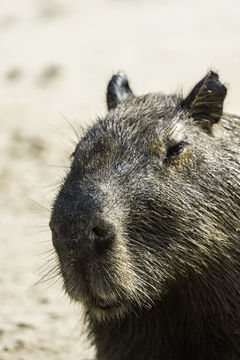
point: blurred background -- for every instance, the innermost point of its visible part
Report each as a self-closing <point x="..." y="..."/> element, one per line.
<point x="56" y="57"/>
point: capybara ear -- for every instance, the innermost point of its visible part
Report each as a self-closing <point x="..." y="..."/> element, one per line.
<point x="118" y="90"/>
<point x="205" y="101"/>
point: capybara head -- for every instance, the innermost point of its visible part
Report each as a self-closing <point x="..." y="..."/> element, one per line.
<point x="151" y="200"/>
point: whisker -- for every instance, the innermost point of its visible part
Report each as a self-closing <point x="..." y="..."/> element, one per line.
<point x="40" y="206"/>
<point x="63" y="135"/>
<point x="38" y="232"/>
<point x="70" y="124"/>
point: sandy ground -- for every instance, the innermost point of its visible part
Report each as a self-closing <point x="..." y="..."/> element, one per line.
<point x="55" y="60"/>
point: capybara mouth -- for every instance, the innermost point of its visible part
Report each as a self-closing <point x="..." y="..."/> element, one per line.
<point x="103" y="310"/>
<point x="82" y="293"/>
<point x="103" y="304"/>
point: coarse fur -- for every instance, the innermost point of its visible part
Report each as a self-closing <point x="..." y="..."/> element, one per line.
<point x="147" y="226"/>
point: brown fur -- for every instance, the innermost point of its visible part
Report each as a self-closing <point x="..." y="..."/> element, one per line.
<point x="147" y="226"/>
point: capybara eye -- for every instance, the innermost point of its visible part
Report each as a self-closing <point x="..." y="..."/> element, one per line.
<point x="175" y="149"/>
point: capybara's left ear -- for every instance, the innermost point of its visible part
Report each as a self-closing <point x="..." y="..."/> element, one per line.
<point x="118" y="90"/>
<point x="205" y="101"/>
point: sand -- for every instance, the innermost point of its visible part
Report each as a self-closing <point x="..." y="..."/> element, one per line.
<point x="55" y="60"/>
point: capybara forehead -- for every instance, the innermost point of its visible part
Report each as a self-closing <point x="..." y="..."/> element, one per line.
<point x="140" y="118"/>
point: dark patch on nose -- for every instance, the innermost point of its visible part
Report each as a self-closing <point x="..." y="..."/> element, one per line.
<point x="64" y="236"/>
<point x="85" y="231"/>
<point x="102" y="236"/>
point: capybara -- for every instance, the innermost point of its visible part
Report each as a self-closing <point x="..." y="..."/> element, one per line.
<point x="146" y="225"/>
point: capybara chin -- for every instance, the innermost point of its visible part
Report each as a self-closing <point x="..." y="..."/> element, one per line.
<point x="146" y="225"/>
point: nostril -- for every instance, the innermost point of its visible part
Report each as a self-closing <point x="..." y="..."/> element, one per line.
<point x="98" y="232"/>
<point x="102" y="236"/>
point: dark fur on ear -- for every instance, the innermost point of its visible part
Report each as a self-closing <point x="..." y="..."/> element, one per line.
<point x="205" y="101"/>
<point x="118" y="90"/>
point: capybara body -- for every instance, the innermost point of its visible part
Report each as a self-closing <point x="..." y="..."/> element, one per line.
<point x="146" y="226"/>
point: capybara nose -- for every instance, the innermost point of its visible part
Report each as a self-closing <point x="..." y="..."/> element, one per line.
<point x="101" y="235"/>
<point x="93" y="234"/>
